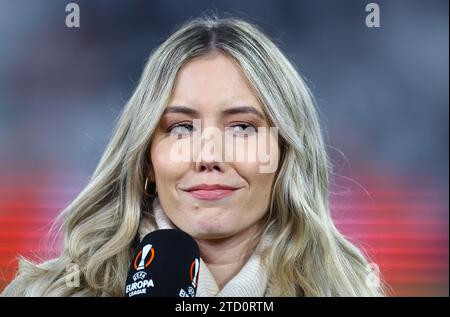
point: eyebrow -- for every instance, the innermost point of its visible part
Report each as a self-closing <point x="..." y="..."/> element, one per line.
<point x="229" y="111"/>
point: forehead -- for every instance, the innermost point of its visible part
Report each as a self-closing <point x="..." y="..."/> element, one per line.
<point x="213" y="81"/>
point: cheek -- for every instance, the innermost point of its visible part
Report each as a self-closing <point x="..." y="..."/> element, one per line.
<point x="260" y="153"/>
<point x="166" y="170"/>
<point x="261" y="169"/>
<point x="159" y="159"/>
<point x="260" y="184"/>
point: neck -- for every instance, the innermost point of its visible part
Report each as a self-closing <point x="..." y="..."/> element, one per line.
<point x="225" y="257"/>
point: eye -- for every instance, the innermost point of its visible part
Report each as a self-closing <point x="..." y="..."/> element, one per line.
<point x="180" y="130"/>
<point x="241" y="129"/>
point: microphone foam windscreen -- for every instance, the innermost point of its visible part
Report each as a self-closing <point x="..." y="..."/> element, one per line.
<point x="166" y="264"/>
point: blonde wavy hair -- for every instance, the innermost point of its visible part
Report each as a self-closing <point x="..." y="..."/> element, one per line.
<point x="308" y="257"/>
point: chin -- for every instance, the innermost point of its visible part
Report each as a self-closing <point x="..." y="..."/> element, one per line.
<point x="211" y="236"/>
<point x="210" y="231"/>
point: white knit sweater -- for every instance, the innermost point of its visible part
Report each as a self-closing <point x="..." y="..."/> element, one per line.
<point x="250" y="281"/>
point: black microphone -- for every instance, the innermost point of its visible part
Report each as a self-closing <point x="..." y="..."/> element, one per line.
<point x="166" y="264"/>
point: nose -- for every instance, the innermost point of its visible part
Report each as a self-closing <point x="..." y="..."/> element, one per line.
<point x="208" y="166"/>
<point x="209" y="160"/>
<point x="209" y="156"/>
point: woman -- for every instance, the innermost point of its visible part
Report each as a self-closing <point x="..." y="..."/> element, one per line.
<point x="261" y="232"/>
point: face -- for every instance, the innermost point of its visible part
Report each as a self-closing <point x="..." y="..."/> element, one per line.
<point x="211" y="196"/>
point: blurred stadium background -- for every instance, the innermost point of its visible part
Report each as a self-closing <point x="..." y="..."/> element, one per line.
<point x="382" y="94"/>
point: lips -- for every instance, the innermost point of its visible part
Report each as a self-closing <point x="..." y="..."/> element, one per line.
<point x="211" y="191"/>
